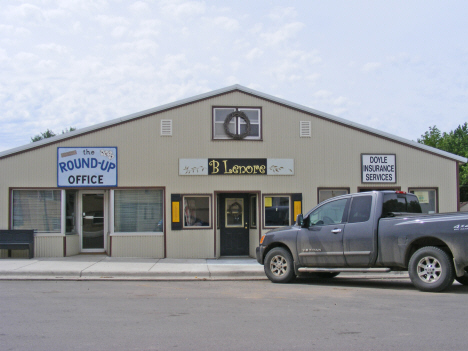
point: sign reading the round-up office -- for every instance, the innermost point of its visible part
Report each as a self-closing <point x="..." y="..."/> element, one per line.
<point x="378" y="168"/>
<point x="86" y="166"/>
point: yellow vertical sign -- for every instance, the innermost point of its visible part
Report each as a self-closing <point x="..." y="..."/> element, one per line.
<point x="268" y="202"/>
<point x="175" y="212"/>
<point x="297" y="208"/>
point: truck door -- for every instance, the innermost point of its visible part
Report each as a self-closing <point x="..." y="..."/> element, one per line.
<point x="321" y="244"/>
<point x="360" y="234"/>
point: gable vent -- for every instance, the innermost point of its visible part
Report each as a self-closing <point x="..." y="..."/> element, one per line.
<point x="166" y="127"/>
<point x="305" y="129"/>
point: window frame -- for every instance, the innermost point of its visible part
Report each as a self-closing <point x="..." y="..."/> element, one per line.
<point x="331" y="189"/>
<point x="112" y="212"/>
<point x="253" y="203"/>
<point x="11" y="214"/>
<point x="214" y="137"/>
<point x="430" y="188"/>
<point x="363" y="189"/>
<point x="344" y="215"/>
<point x="210" y="211"/>
<point x="290" y="212"/>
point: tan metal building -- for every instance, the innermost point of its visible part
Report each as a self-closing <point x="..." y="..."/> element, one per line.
<point x="204" y="177"/>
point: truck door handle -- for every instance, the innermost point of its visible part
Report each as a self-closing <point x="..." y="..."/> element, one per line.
<point x="336" y="231"/>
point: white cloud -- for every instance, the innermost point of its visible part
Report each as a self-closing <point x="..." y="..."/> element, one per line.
<point x="282" y="34"/>
<point x="371" y="66"/>
<point x="280" y="13"/>
<point x="80" y="62"/>
<point x="182" y="9"/>
<point x="229" y="24"/>
<point x="254" y="54"/>
<point x="139" y="7"/>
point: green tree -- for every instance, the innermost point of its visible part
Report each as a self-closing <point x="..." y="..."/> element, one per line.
<point x="455" y="142"/>
<point x="49" y="134"/>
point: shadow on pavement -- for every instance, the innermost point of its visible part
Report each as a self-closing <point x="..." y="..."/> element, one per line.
<point x="377" y="283"/>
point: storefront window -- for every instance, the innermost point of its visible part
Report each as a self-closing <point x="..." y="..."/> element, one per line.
<point x="196" y="211"/>
<point x="137" y="211"/>
<point x="427" y="199"/>
<point x="325" y="194"/>
<point x="277" y="210"/>
<point x="37" y="209"/>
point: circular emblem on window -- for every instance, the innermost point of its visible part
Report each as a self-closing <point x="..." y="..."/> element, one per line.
<point x="236" y="115"/>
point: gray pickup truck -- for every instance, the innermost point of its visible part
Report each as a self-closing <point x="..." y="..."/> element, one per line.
<point x="378" y="231"/>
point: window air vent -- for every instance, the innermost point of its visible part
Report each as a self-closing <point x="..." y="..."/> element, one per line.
<point x="166" y="127"/>
<point x="305" y="129"/>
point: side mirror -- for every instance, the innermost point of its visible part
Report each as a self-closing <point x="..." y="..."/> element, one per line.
<point x="300" y="220"/>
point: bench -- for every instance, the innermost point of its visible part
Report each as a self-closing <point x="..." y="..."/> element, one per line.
<point x="17" y="240"/>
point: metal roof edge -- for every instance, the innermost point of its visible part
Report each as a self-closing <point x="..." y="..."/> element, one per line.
<point x="225" y="90"/>
<point x="355" y="125"/>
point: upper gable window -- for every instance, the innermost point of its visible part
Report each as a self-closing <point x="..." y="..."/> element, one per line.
<point x="238" y="123"/>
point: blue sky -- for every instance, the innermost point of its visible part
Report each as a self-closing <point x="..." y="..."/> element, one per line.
<point x="397" y="66"/>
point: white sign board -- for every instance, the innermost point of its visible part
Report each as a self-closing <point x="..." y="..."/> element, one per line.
<point x="86" y="166"/>
<point x="378" y="168"/>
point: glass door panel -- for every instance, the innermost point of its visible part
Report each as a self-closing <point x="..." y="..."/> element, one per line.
<point x="93" y="221"/>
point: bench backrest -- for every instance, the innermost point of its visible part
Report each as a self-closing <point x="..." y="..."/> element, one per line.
<point x="14" y="236"/>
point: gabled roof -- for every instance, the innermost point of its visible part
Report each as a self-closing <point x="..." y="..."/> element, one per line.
<point x="223" y="91"/>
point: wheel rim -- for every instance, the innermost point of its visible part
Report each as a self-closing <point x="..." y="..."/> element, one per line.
<point x="429" y="269"/>
<point x="278" y="265"/>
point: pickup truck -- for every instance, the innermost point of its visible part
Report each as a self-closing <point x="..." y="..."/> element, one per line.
<point x="378" y="231"/>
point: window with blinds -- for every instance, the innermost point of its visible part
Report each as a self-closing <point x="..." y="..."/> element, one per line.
<point x="137" y="211"/>
<point x="37" y="209"/>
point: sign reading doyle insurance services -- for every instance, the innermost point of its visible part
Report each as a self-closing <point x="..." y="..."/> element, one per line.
<point x="378" y="168"/>
<point x="86" y="166"/>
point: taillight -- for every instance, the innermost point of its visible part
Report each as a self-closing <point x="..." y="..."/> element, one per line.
<point x="261" y="239"/>
<point x="400" y="192"/>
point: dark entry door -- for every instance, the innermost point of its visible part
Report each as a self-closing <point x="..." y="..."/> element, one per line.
<point x="234" y="224"/>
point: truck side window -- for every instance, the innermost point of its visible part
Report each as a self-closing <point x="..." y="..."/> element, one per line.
<point x="360" y="209"/>
<point x="328" y="214"/>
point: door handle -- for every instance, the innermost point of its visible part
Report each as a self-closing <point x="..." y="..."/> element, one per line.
<point x="336" y="231"/>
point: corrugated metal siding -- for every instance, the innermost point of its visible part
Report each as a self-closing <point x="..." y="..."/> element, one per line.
<point x="14" y="253"/>
<point x="330" y="158"/>
<point x="191" y="244"/>
<point x="48" y="246"/>
<point x="138" y="246"/>
<point x="73" y="245"/>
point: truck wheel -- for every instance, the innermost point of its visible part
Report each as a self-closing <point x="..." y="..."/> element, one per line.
<point x="464" y="279"/>
<point x="430" y="269"/>
<point x="279" y="266"/>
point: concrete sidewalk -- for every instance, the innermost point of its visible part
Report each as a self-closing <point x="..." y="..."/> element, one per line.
<point x="102" y="267"/>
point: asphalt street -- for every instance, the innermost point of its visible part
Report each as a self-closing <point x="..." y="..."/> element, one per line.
<point x="339" y="314"/>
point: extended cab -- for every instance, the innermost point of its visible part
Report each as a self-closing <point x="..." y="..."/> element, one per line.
<point x="378" y="231"/>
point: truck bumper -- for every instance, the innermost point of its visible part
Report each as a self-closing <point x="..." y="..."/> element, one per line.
<point x="259" y="253"/>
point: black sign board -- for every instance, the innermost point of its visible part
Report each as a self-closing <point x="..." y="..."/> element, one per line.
<point x="237" y="166"/>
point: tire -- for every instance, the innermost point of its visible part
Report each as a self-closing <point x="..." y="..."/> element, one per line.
<point x="324" y="275"/>
<point x="279" y="265"/>
<point x="431" y="269"/>
<point x="464" y="279"/>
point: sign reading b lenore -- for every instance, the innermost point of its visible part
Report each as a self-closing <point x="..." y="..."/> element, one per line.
<point x="86" y="166"/>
